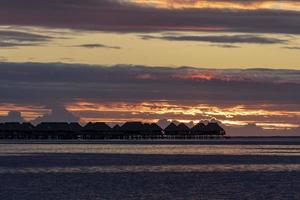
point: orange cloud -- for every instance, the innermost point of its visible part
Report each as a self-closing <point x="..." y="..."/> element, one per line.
<point x="28" y="112"/>
<point x="277" y="125"/>
<point x="239" y="115"/>
<point x="152" y="111"/>
<point x="221" y="4"/>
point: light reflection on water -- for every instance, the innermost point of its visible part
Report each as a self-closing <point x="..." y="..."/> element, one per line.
<point x="156" y="169"/>
<point x="152" y="149"/>
<point x="148" y="157"/>
<point x="152" y="171"/>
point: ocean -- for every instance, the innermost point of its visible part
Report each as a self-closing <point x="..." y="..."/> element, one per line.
<point x="237" y="169"/>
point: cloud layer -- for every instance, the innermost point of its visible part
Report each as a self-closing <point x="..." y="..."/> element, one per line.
<point x="231" y="39"/>
<point x="93" y="46"/>
<point x="119" y="93"/>
<point x="10" y="39"/>
<point x="63" y="81"/>
<point x="113" y="15"/>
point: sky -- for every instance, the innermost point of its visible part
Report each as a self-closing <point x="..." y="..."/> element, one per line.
<point x="235" y="62"/>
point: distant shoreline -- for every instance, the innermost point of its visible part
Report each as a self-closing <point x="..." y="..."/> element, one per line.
<point x="277" y="140"/>
<point x="165" y="139"/>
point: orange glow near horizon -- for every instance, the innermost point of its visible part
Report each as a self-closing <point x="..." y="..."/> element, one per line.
<point x="220" y="4"/>
<point x="182" y="113"/>
<point x="28" y="112"/>
<point x="164" y="107"/>
<point x="151" y="112"/>
<point x="277" y="125"/>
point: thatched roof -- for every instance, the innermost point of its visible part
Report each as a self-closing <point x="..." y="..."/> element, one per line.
<point x="53" y="126"/>
<point x="199" y="127"/>
<point x="171" y="127"/>
<point x="214" y="127"/>
<point x="98" y="126"/>
<point x="117" y="127"/>
<point x="155" y="127"/>
<point x="133" y="126"/>
<point x="10" y="126"/>
<point x="183" y="127"/>
<point x="27" y="126"/>
<point x="75" y="126"/>
<point x="15" y="126"/>
<point x="147" y="127"/>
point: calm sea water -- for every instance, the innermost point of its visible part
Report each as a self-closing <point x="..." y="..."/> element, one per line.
<point x="224" y="169"/>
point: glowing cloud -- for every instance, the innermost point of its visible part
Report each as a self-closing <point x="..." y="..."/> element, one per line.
<point x="221" y="4"/>
<point x="153" y="111"/>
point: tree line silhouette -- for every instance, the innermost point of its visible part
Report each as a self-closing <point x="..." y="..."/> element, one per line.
<point x="100" y="130"/>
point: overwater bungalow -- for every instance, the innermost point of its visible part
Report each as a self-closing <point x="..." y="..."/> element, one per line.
<point x="180" y="131"/>
<point x="53" y="130"/>
<point x="15" y="130"/>
<point x="76" y="129"/>
<point x="133" y="129"/>
<point x="147" y="130"/>
<point x="151" y="131"/>
<point x="183" y="129"/>
<point x="214" y="128"/>
<point x="117" y="132"/>
<point x="198" y="129"/>
<point x="98" y="130"/>
<point x="171" y="129"/>
<point x="156" y="130"/>
<point x="117" y="127"/>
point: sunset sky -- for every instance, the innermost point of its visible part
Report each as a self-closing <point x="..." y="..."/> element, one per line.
<point x="234" y="61"/>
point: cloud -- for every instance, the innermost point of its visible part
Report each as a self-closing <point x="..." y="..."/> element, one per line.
<point x="10" y="39"/>
<point x="92" y="46"/>
<point x="291" y="48"/>
<point x="40" y="82"/>
<point x="12" y="116"/>
<point x="125" y="92"/>
<point x="57" y="114"/>
<point x="123" y="16"/>
<point x="222" y="4"/>
<point x="249" y="39"/>
<point x="23" y="36"/>
<point x="227" y="46"/>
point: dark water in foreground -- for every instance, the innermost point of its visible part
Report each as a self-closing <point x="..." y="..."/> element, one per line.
<point x="187" y="170"/>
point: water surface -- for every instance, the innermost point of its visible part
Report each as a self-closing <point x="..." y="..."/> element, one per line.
<point x="221" y="169"/>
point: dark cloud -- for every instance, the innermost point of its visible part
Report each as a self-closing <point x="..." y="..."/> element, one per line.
<point x="12" y="116"/>
<point x="23" y="36"/>
<point x="114" y="15"/>
<point x="17" y="38"/>
<point x="119" y="93"/>
<point x="37" y="82"/>
<point x="249" y="39"/>
<point x="291" y="48"/>
<point x="16" y="44"/>
<point x="58" y="114"/>
<point x="227" y="46"/>
<point x="92" y="46"/>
